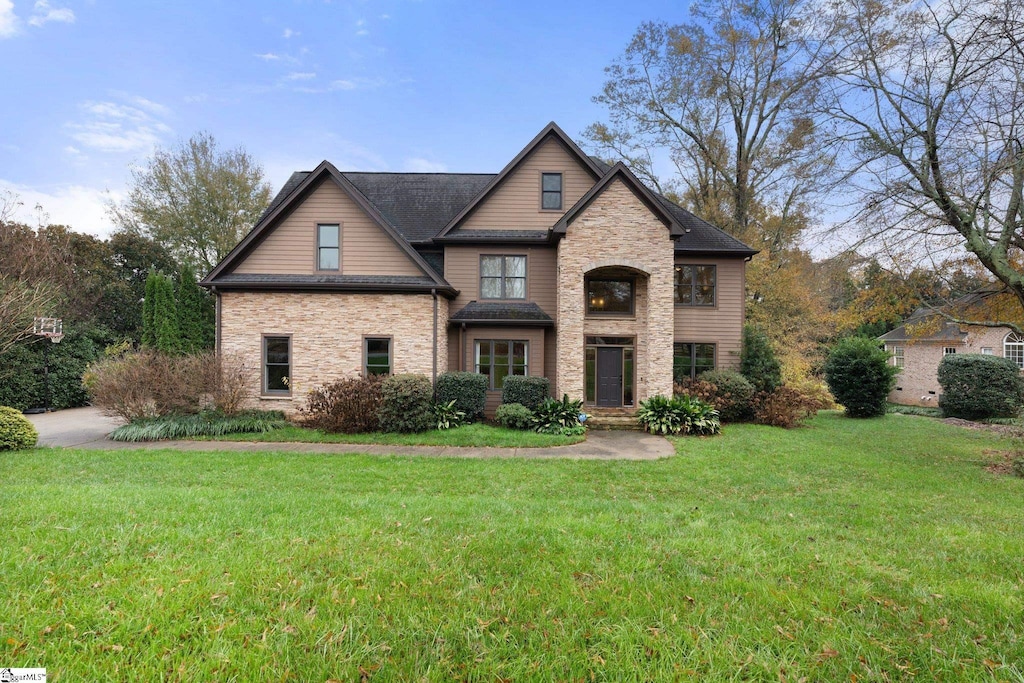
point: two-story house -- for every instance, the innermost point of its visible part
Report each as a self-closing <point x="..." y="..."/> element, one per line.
<point x="558" y="266"/>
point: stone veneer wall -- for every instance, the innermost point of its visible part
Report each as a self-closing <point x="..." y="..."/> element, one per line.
<point x="327" y="333"/>
<point x="617" y="229"/>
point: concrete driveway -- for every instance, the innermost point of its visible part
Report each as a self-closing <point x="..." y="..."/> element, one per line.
<point x="82" y="427"/>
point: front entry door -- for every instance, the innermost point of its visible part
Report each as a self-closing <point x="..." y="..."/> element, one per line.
<point x="609" y="376"/>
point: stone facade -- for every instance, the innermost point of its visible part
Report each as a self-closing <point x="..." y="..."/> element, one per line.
<point x="617" y="231"/>
<point x="918" y="382"/>
<point x="327" y="331"/>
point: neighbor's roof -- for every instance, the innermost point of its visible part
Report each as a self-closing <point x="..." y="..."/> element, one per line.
<point x="946" y="331"/>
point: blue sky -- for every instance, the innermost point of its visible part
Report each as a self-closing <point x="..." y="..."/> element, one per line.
<point x="91" y="87"/>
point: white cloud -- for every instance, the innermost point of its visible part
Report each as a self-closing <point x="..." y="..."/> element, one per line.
<point x="111" y="126"/>
<point x="8" y="19"/>
<point x="289" y="33"/>
<point x="80" y="207"/>
<point x="44" y="14"/>
<point x="268" y="57"/>
<point x="301" y="76"/>
<point x="192" y="99"/>
<point x="343" y="84"/>
<point x="72" y="150"/>
<point x="385" y="17"/>
<point x="362" y="32"/>
<point x="420" y="165"/>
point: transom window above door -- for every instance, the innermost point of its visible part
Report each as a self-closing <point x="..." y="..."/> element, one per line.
<point x="502" y="276"/>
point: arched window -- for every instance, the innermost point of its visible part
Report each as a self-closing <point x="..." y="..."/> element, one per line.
<point x="1013" y="348"/>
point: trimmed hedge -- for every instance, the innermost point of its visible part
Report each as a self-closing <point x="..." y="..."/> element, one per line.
<point x="514" y="416"/>
<point x="467" y="389"/>
<point x="860" y="377"/>
<point x="16" y="432"/>
<point x="977" y="387"/>
<point x="526" y="391"/>
<point x="407" y="404"/>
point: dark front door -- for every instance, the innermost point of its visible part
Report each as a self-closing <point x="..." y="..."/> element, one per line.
<point x="609" y="376"/>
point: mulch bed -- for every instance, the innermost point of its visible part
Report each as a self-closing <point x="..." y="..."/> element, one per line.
<point x="1006" y="430"/>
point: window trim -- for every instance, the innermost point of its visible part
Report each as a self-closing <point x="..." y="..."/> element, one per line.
<point x="1017" y="342"/>
<point x="318" y="248"/>
<point x="898" y="357"/>
<point x="264" y="391"/>
<point x="366" y="352"/>
<point x="693" y="285"/>
<point x="948" y="350"/>
<point x="492" y="341"/>
<point x="693" y="356"/>
<point x="504" y="277"/>
<point x="609" y="314"/>
<point x="561" y="190"/>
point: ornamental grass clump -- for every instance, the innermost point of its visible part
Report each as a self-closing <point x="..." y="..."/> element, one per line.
<point x="16" y="432"/>
<point x="210" y="423"/>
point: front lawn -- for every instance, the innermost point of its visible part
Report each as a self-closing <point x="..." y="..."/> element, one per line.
<point x="476" y="435"/>
<point x="874" y="550"/>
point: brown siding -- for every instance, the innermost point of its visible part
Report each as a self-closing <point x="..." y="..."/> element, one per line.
<point x="462" y="270"/>
<point x="723" y="324"/>
<point x="290" y="248"/>
<point x="516" y="203"/>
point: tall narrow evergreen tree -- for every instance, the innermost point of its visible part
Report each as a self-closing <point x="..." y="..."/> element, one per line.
<point x="165" y="316"/>
<point x="148" y="303"/>
<point x="194" y="313"/>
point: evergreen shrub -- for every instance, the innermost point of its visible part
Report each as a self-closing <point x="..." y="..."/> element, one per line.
<point x="526" y="391"/>
<point x="976" y="387"/>
<point x="467" y="389"/>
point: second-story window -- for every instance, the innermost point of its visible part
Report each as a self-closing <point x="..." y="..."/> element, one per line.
<point x="502" y="277"/>
<point x="328" y="247"/>
<point x="695" y="285"/>
<point x="551" y="191"/>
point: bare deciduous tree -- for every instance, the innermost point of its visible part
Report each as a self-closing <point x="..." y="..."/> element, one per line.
<point x="930" y="104"/>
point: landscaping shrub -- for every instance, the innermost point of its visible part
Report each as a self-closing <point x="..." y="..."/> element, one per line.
<point x="23" y="382"/>
<point x="678" y="415"/>
<point x="148" y="383"/>
<point x="728" y="391"/>
<point x="527" y="391"/>
<point x="559" y="417"/>
<point x="859" y="376"/>
<point x="514" y="416"/>
<point x="467" y="389"/>
<point x="16" y="432"/>
<point x="758" y="362"/>
<point x="785" y="407"/>
<point x="406" y="404"/>
<point x="211" y="423"/>
<point x="976" y="387"/>
<point x="346" y="406"/>
<point x="447" y="416"/>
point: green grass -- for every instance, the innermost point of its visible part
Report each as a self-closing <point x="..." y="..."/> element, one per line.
<point x="477" y="434"/>
<point x="878" y="548"/>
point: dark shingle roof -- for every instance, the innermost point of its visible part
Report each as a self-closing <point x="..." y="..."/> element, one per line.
<point x="701" y="236"/>
<point x="498" y="235"/>
<point x="503" y="313"/>
<point x="419" y="205"/>
<point x="328" y="282"/>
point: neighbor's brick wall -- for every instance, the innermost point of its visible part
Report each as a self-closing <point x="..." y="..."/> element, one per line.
<point x="327" y="333"/>
<point x="918" y="383"/>
<point x="617" y="229"/>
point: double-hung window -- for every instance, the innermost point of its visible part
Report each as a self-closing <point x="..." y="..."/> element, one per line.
<point x="377" y="356"/>
<point x="277" y="356"/>
<point x="328" y="247"/>
<point x="551" y="191"/>
<point x="897" y="356"/>
<point x="502" y="277"/>
<point x="499" y="358"/>
<point x="695" y="285"/>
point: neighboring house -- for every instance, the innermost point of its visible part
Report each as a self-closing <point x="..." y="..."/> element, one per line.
<point x="558" y="266"/>
<point x="919" y="344"/>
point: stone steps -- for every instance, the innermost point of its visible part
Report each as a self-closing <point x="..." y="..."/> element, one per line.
<point x="623" y="422"/>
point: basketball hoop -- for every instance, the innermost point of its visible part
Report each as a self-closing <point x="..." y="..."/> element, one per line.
<point x="51" y="328"/>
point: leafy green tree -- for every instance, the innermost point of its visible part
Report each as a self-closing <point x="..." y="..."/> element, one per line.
<point x="860" y="376"/>
<point x="197" y="201"/>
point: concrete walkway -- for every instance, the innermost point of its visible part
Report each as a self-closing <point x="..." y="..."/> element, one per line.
<point x="88" y="428"/>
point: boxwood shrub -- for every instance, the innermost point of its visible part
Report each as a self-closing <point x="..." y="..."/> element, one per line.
<point x="467" y="389"/>
<point x="407" y="404"/>
<point x="976" y="387"/>
<point x="514" y="416"/>
<point x="526" y="391"/>
<point x="859" y="376"/>
<point x="16" y="432"/>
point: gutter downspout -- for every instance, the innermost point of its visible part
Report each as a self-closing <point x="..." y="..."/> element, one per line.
<point x="433" y="293"/>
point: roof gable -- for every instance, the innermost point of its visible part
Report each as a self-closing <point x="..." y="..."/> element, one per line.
<point x="620" y="172"/>
<point x="302" y="186"/>
<point x="550" y="132"/>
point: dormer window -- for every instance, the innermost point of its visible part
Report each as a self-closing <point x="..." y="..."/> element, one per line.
<point x="551" y="191"/>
